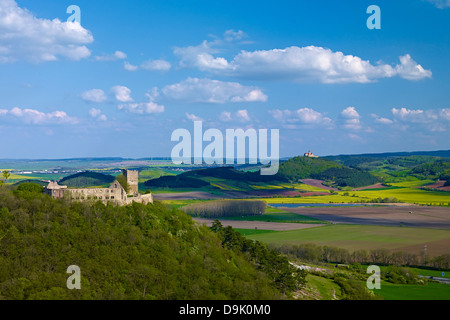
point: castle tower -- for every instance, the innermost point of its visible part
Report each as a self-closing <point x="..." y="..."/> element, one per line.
<point x="132" y="180"/>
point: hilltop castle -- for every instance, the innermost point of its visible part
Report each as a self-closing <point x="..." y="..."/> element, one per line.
<point x="309" y="154"/>
<point x="115" y="193"/>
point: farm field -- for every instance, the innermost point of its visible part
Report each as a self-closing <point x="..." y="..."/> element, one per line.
<point x="355" y="237"/>
<point x="404" y="194"/>
<point x="277" y="215"/>
<point x="258" y="225"/>
<point x="405" y="215"/>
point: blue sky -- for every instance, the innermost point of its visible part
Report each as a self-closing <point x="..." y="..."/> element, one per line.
<point x="134" y="71"/>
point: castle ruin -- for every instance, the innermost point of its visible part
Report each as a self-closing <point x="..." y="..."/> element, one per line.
<point x="115" y="193"/>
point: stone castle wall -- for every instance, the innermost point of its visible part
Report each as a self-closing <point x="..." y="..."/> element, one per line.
<point x="132" y="180"/>
<point x="115" y="193"/>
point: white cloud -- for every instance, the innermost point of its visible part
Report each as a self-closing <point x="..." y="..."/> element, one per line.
<point x="97" y="114"/>
<point x="445" y="114"/>
<point x="156" y="65"/>
<point x="118" y="55"/>
<point x="432" y="119"/>
<point x="225" y="116"/>
<point x="142" y="108"/>
<point x="350" y="113"/>
<point x="26" y="37"/>
<point x="193" y="117"/>
<point x="351" y="118"/>
<point x="32" y="116"/>
<point x="231" y="35"/>
<point x="381" y="120"/>
<point x="122" y="93"/>
<point x="410" y="70"/>
<point x="129" y="67"/>
<point x="94" y="95"/>
<point x="243" y="116"/>
<point x="201" y="57"/>
<point x="212" y="91"/>
<point x="409" y="115"/>
<point x="304" y="64"/>
<point x="303" y="116"/>
<point x="240" y="116"/>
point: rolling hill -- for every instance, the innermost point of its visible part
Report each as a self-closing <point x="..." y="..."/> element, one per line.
<point x="87" y="179"/>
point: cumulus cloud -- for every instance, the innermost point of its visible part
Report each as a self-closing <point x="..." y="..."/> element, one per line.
<point x="201" y="57"/>
<point x="240" y="116"/>
<point x="94" y="95"/>
<point x="193" y="117"/>
<point x="351" y="118"/>
<point x="302" y="64"/>
<point x="156" y="65"/>
<point x="149" y="107"/>
<point x="410" y="115"/>
<point x="432" y="119"/>
<point x="381" y="120"/>
<point x="212" y="91"/>
<point x="118" y="55"/>
<point x="243" y="116"/>
<point x="97" y="114"/>
<point x="302" y="116"/>
<point x="142" y="108"/>
<point x="225" y="116"/>
<point x="129" y="67"/>
<point x="23" y="36"/>
<point x="410" y="70"/>
<point x="122" y="93"/>
<point x="32" y="116"/>
<point x="232" y="35"/>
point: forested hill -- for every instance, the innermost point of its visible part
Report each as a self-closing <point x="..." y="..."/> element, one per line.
<point x="301" y="167"/>
<point x="87" y="179"/>
<point x="200" y="178"/>
<point x="129" y="252"/>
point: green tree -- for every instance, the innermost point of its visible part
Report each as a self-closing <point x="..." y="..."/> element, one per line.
<point x="123" y="182"/>
<point x="6" y="175"/>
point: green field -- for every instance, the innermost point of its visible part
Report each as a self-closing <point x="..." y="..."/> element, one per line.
<point x="354" y="237"/>
<point x="430" y="291"/>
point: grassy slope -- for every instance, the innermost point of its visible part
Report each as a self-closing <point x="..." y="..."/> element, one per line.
<point x="320" y="288"/>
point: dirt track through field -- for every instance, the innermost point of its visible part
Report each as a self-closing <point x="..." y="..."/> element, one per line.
<point x="420" y="216"/>
<point x="261" y="225"/>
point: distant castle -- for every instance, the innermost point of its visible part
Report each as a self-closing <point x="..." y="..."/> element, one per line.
<point x="309" y="154"/>
<point x="115" y="193"/>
